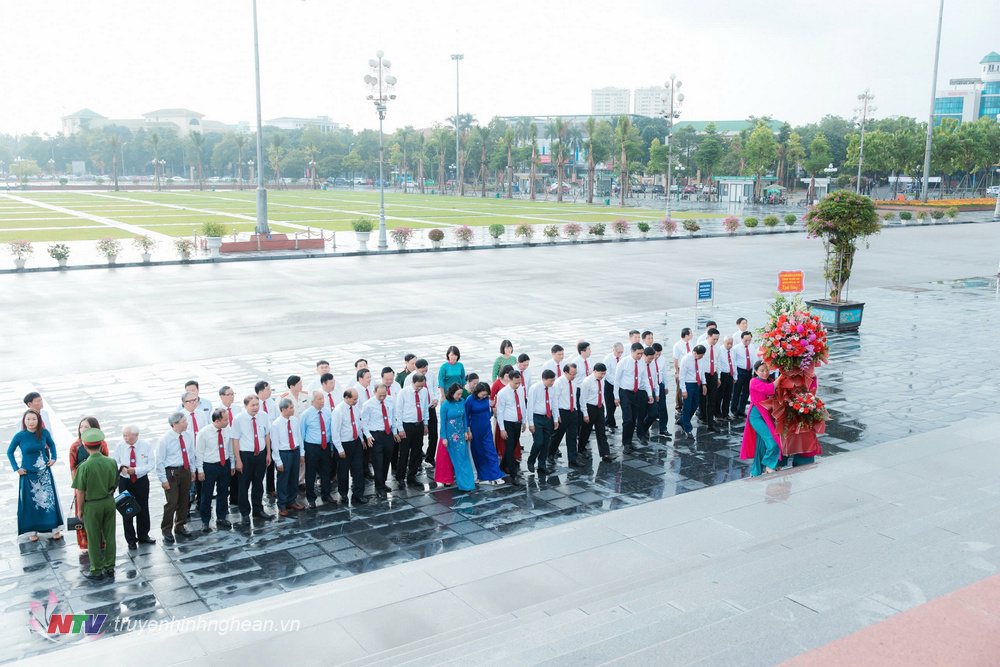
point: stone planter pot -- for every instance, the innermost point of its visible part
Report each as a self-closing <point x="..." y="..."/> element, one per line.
<point x="185" y="257"/>
<point x="62" y="262"/>
<point x="550" y="239"/>
<point x="496" y="242"/>
<point x="770" y="229"/>
<point x="841" y="316"/>
<point x="789" y="228"/>
<point x="435" y="244"/>
<point x="19" y="263"/>
<point x="214" y="243"/>
<point x="619" y="237"/>
<point x="644" y="235"/>
<point x="146" y="257"/>
<point x="463" y="243"/>
<point x="573" y="238"/>
<point x="692" y="233"/>
<point x="112" y="259"/>
<point x="362" y="240"/>
<point x="751" y="230"/>
<point x="401" y="246"/>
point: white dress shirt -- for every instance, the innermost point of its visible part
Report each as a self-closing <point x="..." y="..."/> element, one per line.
<point x="536" y="401"/>
<point x="584" y="367"/>
<point x="690" y="368"/>
<point x="407" y="404"/>
<point x="736" y="337"/>
<point x="649" y="372"/>
<point x="208" y="445"/>
<point x="711" y="358"/>
<point x="743" y="352"/>
<point x="242" y="430"/>
<point x="232" y="412"/>
<point x="301" y="403"/>
<point x="592" y="391"/>
<point x="331" y="398"/>
<point x="392" y="392"/>
<point x="346" y="422"/>
<point x="525" y="377"/>
<point x="681" y="348"/>
<point x="269" y="409"/>
<point x="726" y="357"/>
<point x="565" y="391"/>
<point x="554" y="366"/>
<point x="145" y="458"/>
<point x="315" y="385"/>
<point x="279" y="436"/>
<point x="168" y="453"/>
<point x="197" y="420"/>
<point x="373" y="421"/>
<point x="611" y="362"/>
<point x="626" y="373"/>
<point x="507" y="403"/>
<point x="365" y="394"/>
<point x="702" y="338"/>
<point x="660" y="370"/>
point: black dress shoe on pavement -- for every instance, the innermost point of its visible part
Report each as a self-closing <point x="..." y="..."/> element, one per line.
<point x="168" y="538"/>
<point x="543" y="471"/>
<point x="382" y="495"/>
<point x="109" y="573"/>
<point x="412" y="481"/>
<point x="223" y="523"/>
<point x="328" y="499"/>
<point x="133" y="546"/>
<point x="608" y="459"/>
<point x="312" y="504"/>
<point x="94" y="576"/>
<point x="183" y="531"/>
<point x="206" y="528"/>
<point x="531" y="467"/>
<point x="246" y="518"/>
<point x="263" y="516"/>
<point x="359" y="500"/>
<point x="343" y="499"/>
<point x="147" y="540"/>
<point x="575" y="464"/>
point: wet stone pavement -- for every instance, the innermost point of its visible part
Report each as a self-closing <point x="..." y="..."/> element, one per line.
<point x="898" y="376"/>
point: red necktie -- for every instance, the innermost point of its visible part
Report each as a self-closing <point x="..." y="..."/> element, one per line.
<point x="291" y="440"/>
<point x="131" y="464"/>
<point x="222" y="451"/>
<point x="322" y="427"/>
<point x="649" y="374"/>
<point x="264" y="405"/>
<point x="636" y="386"/>
<point x="586" y="368"/>
<point x="517" y="401"/>
<point x="420" y="413"/>
<point x="558" y="370"/>
<point x="184" y="453"/>
<point x="748" y="356"/>
<point x="230" y="411"/>
<point x="548" y="408"/>
<point x="194" y="422"/>
<point x="711" y="358"/>
<point x="599" y="394"/>
<point x="330" y="397"/>
<point x="729" y="358"/>
<point x="256" y="440"/>
<point x="385" y="418"/>
<point x="697" y="375"/>
<point x="354" y="426"/>
<point x="570" y="395"/>
<point x="687" y="346"/>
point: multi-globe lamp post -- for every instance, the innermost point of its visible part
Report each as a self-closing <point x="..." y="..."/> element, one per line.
<point x="381" y="83"/>
<point x="866" y="107"/>
<point x="672" y="101"/>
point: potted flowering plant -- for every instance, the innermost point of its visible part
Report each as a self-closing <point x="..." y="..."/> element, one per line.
<point x="59" y="252"/>
<point x="401" y="236"/>
<point x="597" y="229"/>
<point x="621" y="227"/>
<point x="691" y="226"/>
<point x="464" y="235"/>
<point x="888" y="217"/>
<point x="525" y="231"/>
<point x="551" y="232"/>
<point x="572" y="230"/>
<point x="144" y="245"/>
<point x="214" y="231"/>
<point x="110" y="248"/>
<point x="184" y="248"/>
<point x="731" y="224"/>
<point x="790" y="220"/>
<point x="362" y="231"/>
<point x="668" y="226"/>
<point x="922" y="216"/>
<point x="643" y="228"/>
<point x="496" y="230"/>
<point x="436" y="236"/>
<point x="21" y="250"/>
<point x="770" y="222"/>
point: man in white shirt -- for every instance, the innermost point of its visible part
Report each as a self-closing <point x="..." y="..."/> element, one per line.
<point x="226" y="396"/>
<point x="555" y="364"/>
<point x="583" y="365"/>
<point x="322" y="368"/>
<point x="646" y="339"/>
<point x="328" y="387"/>
<point x="364" y="387"/>
<point x="611" y="363"/>
<point x="382" y="430"/>
<point x="648" y="369"/>
<point x="204" y="405"/>
<point x="727" y="373"/>
<point x="414" y="409"/>
<point x="391" y="387"/>
<point x="215" y="470"/>
<point x="196" y="420"/>
<point x="660" y="377"/>
<point x="633" y="390"/>
<point x="741" y="326"/>
<point x="708" y="327"/>
<point x="423" y="368"/>
<point x="135" y="459"/>
<point x="511" y="411"/>
<point x="175" y="467"/>
<point x="681" y="347"/>
<point x="252" y="453"/>
<point x="299" y="396"/>
<point x="592" y="401"/>
<point x="523" y="367"/>
<point x="692" y="377"/>
<point x="317" y="435"/>
<point x="544" y="417"/>
<point x="288" y="450"/>
<point x="634" y="337"/>
<point x="348" y="441"/>
<point x="744" y="357"/>
<point x="569" y="416"/>
<point x="713" y="366"/>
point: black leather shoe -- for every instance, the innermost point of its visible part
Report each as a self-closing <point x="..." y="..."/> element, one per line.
<point x="328" y="499"/>
<point x="109" y="573"/>
<point x="412" y="481"/>
<point x="206" y="528"/>
<point x="382" y="495"/>
<point x="147" y="540"/>
<point x="359" y="500"/>
<point x="312" y="504"/>
<point x="94" y="576"/>
<point x="575" y="464"/>
<point x="608" y="459"/>
<point x="183" y="531"/>
<point x="223" y="523"/>
<point x="531" y="467"/>
<point x="132" y="546"/>
<point x="168" y="538"/>
<point x="246" y="518"/>
<point x="343" y="499"/>
<point x="263" y="516"/>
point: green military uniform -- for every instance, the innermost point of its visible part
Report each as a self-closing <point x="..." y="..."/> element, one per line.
<point x="97" y="477"/>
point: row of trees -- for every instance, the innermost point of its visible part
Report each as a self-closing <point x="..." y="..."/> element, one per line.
<point x="491" y="153"/>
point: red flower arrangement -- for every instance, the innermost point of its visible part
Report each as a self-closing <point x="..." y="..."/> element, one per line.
<point x="796" y="341"/>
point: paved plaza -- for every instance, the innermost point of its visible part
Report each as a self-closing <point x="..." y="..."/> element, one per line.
<point x="888" y="382"/>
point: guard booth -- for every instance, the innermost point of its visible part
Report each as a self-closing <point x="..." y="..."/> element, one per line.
<point x="736" y="189"/>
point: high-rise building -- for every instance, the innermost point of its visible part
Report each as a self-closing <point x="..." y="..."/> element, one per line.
<point x="609" y="101"/>
<point x="647" y="102"/>
<point x="973" y="98"/>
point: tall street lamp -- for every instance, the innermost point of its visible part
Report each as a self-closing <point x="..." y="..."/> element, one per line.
<point x="830" y="171"/>
<point x="865" y="98"/>
<point x="52" y="168"/>
<point x="250" y="164"/>
<point x="262" y="226"/>
<point x="156" y="172"/>
<point x="381" y="84"/>
<point x="457" y="57"/>
<point x="672" y="101"/>
<point x="312" y="172"/>
<point x="930" y="120"/>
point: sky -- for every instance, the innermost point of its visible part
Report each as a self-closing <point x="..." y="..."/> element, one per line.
<point x="795" y="60"/>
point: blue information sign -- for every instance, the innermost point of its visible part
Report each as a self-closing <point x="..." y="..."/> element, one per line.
<point x="706" y="289"/>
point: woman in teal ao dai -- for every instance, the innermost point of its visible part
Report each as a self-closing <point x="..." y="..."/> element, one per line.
<point x="37" y="502"/>
<point x="456" y="437"/>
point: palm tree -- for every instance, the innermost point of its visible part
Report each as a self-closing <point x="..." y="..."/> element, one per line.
<point x="403" y="137"/>
<point x="274" y="153"/>
<point x="115" y="142"/>
<point x="622" y="132"/>
<point x="483" y="136"/>
<point x="561" y="128"/>
<point x="441" y="137"/>
<point x="463" y="138"/>
<point x="419" y="141"/>
<point x="241" y="142"/>
<point x="523" y="129"/>
<point x="153" y="141"/>
<point x="197" y="140"/>
<point x="533" y="135"/>
<point x="509" y="139"/>
<point x="591" y="127"/>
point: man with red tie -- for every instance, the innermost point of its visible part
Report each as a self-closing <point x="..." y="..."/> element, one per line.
<point x="691" y="373"/>
<point x="252" y="453"/>
<point x="592" y="398"/>
<point x="287" y="442"/>
<point x="347" y="440"/>
<point x="611" y="363"/>
<point x="681" y="348"/>
<point x="712" y="368"/>
<point x="555" y="364"/>
<point x="633" y="390"/>
<point x="649" y="370"/>
<point x="214" y="449"/>
<point x="135" y="459"/>
<point x="34" y="402"/>
<point x="744" y="357"/>
<point x="196" y="420"/>
<point x="511" y="411"/>
<point x="414" y="405"/>
<point x="226" y="396"/>
<point x="569" y="416"/>
<point x="381" y="431"/>
<point x="317" y="436"/>
<point x="175" y="467"/>
<point x="544" y="418"/>
<point x="727" y="377"/>
<point x="268" y="412"/>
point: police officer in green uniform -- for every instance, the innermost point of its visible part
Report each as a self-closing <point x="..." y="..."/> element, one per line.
<point x="95" y="483"/>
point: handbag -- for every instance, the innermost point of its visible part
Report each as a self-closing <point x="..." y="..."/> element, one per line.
<point x="127" y="505"/>
<point x="74" y="522"/>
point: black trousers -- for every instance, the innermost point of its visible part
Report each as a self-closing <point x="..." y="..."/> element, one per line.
<point x="234" y="487"/>
<point x="609" y="404"/>
<point x="252" y="482"/>
<point x="351" y="464"/>
<point x="318" y="463"/>
<point x="710" y="399"/>
<point x="741" y="391"/>
<point x="634" y="405"/>
<point x="540" y="440"/>
<point x="595" y="425"/>
<point x="569" y="426"/>
<point x="509" y="464"/>
<point x="140" y="491"/>
<point x="382" y="452"/>
<point x="433" y="435"/>
<point x="652" y="414"/>
<point x="272" y="470"/>
<point x="216" y="480"/>
<point x="411" y="451"/>
<point x="725" y="394"/>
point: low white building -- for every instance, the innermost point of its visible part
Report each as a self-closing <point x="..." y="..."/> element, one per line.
<point x="322" y="123"/>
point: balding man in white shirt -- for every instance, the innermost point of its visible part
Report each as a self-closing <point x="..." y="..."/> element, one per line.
<point x="592" y="403"/>
<point x="512" y="414"/>
<point x="215" y="470"/>
<point x="347" y="438"/>
<point x="382" y="431"/>
<point x="569" y="417"/>
<point x="414" y="404"/>
<point x="252" y="453"/>
<point x="745" y="355"/>
<point x="611" y="363"/>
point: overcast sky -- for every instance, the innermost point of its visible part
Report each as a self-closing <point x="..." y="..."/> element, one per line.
<point x="793" y="59"/>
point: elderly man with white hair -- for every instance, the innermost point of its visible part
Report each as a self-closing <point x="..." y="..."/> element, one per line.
<point x="135" y="459"/>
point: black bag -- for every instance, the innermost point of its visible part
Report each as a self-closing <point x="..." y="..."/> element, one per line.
<point x="126" y="505"/>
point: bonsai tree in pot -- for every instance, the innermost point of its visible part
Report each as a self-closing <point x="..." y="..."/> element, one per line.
<point x="841" y="220"/>
<point x="464" y="235"/>
<point x="144" y="245"/>
<point x="21" y="251"/>
<point x="436" y="236"/>
<point x="643" y="228"/>
<point x="214" y="231"/>
<point x="525" y="231"/>
<point x="362" y="230"/>
<point x="770" y="222"/>
<point x="621" y="227"/>
<point x="401" y="236"/>
<point x="110" y="248"/>
<point x="790" y="220"/>
<point x="59" y="252"/>
<point x="551" y="232"/>
<point x="496" y="231"/>
<point x="751" y="224"/>
<point x="572" y="230"/>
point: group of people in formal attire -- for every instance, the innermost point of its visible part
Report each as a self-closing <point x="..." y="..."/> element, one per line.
<point x="385" y="429"/>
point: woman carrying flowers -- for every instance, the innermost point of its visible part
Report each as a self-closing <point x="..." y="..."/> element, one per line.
<point x="760" y="439"/>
